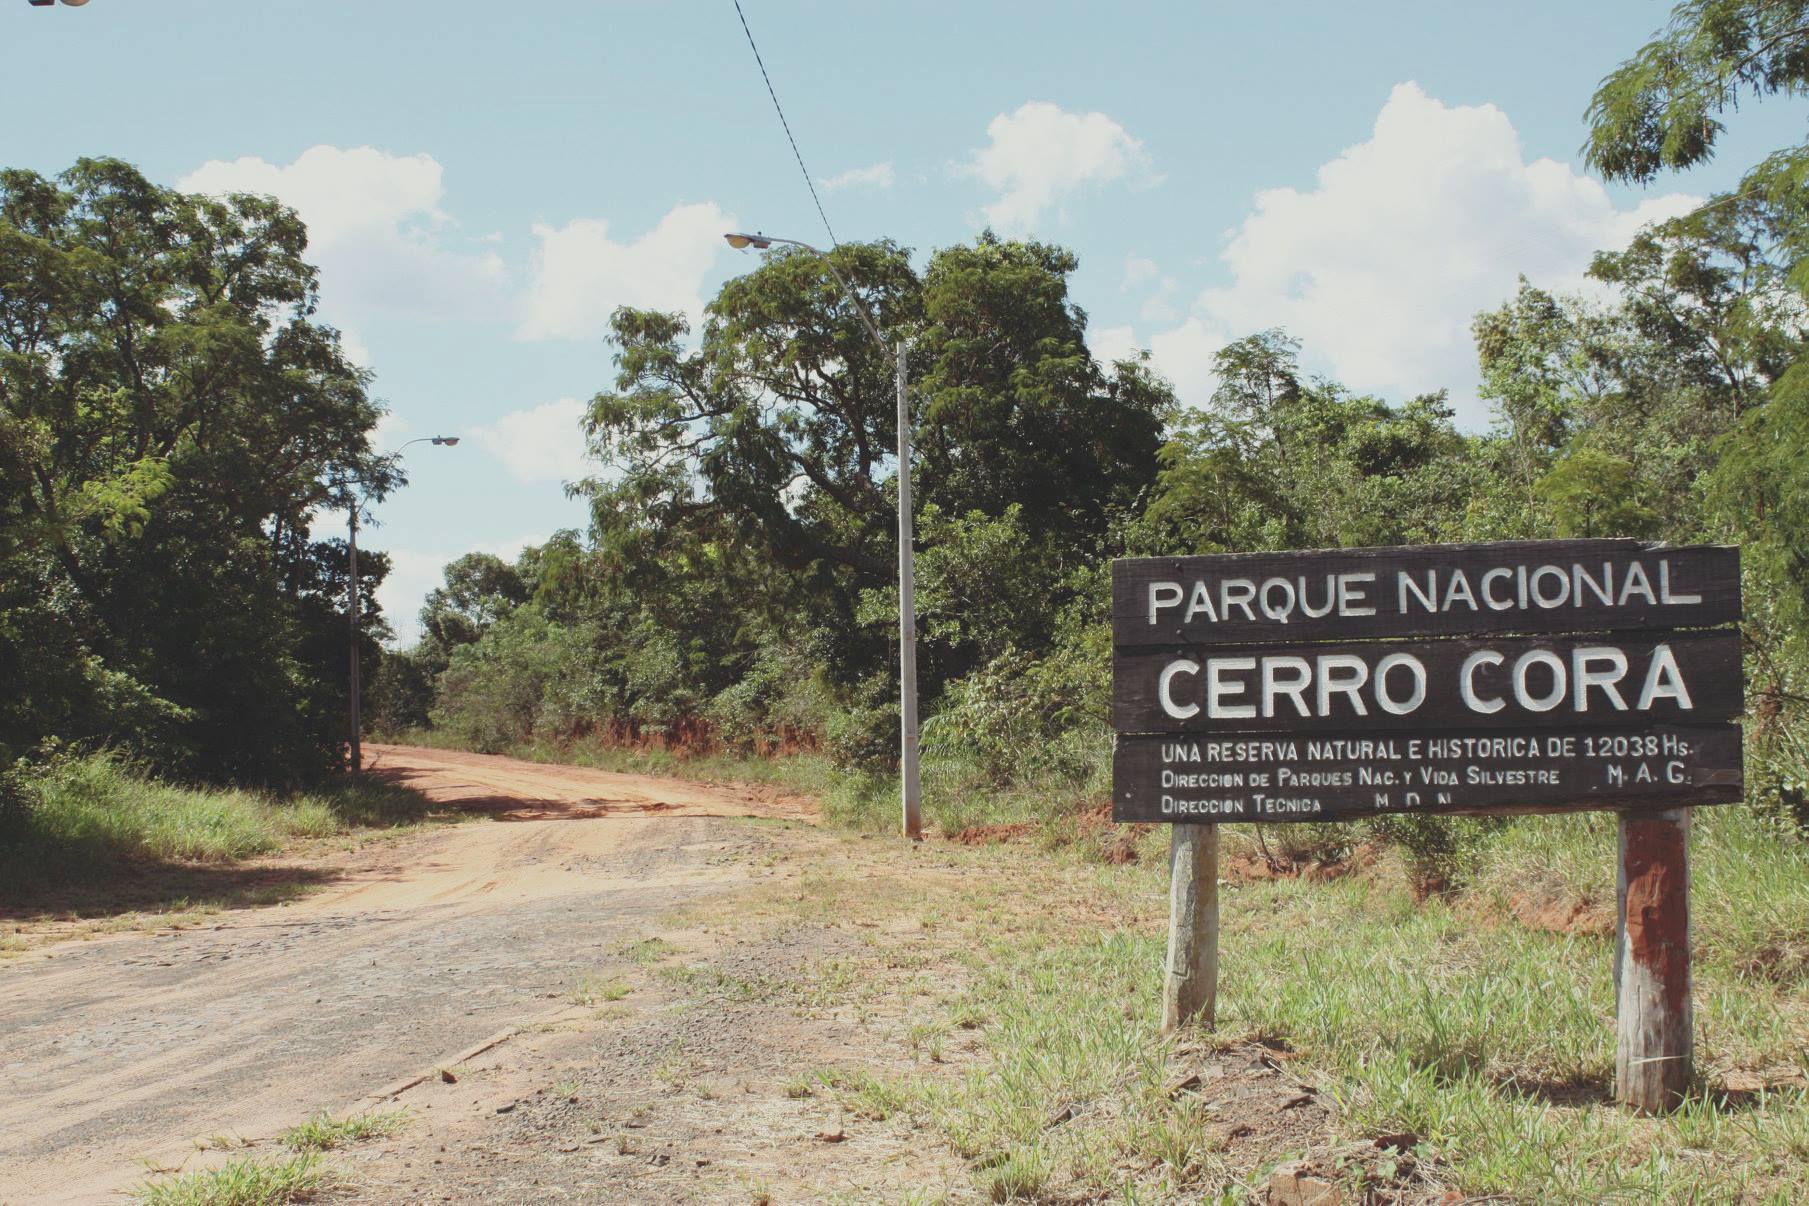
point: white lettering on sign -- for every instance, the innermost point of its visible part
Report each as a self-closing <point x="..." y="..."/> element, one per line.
<point x="1165" y="689"/>
<point x="1416" y="671"/>
<point x="1550" y="586"/>
<point x="1664" y="681"/>
<point x="1588" y="678"/>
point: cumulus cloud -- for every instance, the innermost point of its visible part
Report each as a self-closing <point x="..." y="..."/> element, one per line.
<point x="1040" y="154"/>
<point x="541" y="444"/>
<point x="375" y="229"/>
<point x="878" y="175"/>
<point x="1379" y="268"/>
<point x="580" y="274"/>
<point x="1184" y="355"/>
<point x="1142" y="274"/>
<point x="391" y="429"/>
<point x="1112" y="344"/>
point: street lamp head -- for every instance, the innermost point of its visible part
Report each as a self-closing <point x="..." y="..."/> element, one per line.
<point x="742" y="241"/>
<point x="449" y="441"/>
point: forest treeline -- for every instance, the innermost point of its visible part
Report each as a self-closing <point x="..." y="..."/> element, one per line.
<point x="736" y="585"/>
<point x="172" y="421"/>
<point x="174" y="424"/>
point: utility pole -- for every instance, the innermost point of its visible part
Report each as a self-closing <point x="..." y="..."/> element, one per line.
<point x="352" y="611"/>
<point x="907" y="615"/>
<point x="911" y="792"/>
<point x="353" y="670"/>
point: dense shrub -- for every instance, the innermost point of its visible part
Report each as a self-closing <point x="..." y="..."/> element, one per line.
<point x="1013" y="717"/>
<point x="524" y="673"/>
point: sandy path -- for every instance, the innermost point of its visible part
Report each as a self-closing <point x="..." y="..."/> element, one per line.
<point x="128" y="1050"/>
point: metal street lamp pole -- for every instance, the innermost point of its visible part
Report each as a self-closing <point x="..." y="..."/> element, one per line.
<point x="353" y="690"/>
<point x="912" y="792"/>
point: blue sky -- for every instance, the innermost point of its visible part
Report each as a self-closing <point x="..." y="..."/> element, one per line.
<point x="486" y="181"/>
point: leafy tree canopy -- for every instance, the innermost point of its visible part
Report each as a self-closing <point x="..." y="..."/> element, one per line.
<point x="170" y="416"/>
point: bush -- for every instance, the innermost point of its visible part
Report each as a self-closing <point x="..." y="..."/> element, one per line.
<point x="401" y="694"/>
<point x="779" y="699"/>
<point x="15" y="801"/>
<point x="1020" y="717"/>
<point x="525" y="673"/>
<point x="864" y="732"/>
<point x="1443" y="853"/>
<point x="1779" y="782"/>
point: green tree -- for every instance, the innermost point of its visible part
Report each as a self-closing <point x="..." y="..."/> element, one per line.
<point x="770" y="440"/>
<point x="1740" y="267"/>
<point x="476" y="591"/>
<point x="1275" y="461"/>
<point x="1592" y="493"/>
<point x="170" y="416"/>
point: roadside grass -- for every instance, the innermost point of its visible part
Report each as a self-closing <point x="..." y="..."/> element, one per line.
<point x="644" y="952"/>
<point x="1480" y="1023"/>
<point x="87" y="816"/>
<point x="1490" y="1041"/>
<point x="1486" y="1039"/>
<point x="324" y="1133"/>
<point x="241" y="1182"/>
<point x="593" y="991"/>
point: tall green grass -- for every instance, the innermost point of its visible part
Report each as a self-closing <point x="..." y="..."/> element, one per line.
<point x="1489" y="1040"/>
<point x="97" y="808"/>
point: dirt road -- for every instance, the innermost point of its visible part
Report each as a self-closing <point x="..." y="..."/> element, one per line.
<point x="129" y="1050"/>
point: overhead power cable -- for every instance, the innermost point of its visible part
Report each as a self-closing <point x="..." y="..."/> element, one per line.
<point x="780" y="110"/>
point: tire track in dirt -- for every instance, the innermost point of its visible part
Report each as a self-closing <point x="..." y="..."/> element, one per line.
<point x="132" y="1048"/>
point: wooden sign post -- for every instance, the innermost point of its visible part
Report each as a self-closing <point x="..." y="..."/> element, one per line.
<point x="1654" y="1033"/>
<point x="1190" y="988"/>
<point x="1540" y="676"/>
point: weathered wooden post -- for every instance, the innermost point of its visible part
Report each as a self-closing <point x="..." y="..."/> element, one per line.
<point x="1654" y="1023"/>
<point x="1190" y="988"/>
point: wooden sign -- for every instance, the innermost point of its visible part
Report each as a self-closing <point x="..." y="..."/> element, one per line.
<point x="1478" y="678"/>
<point x="1515" y="677"/>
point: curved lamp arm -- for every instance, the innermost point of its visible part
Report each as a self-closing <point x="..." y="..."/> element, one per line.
<point x="762" y="241"/>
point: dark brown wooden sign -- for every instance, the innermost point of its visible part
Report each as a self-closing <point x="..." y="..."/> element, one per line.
<point x="1279" y="686"/>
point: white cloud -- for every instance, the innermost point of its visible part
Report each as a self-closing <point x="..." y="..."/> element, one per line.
<point x="354" y="348"/>
<point x="1040" y="154"/>
<point x="391" y="430"/>
<point x="1184" y="355"/>
<point x="581" y="275"/>
<point x="1380" y="267"/>
<point x="541" y="444"/>
<point x="1141" y="273"/>
<point x="878" y="175"/>
<point x="1112" y="344"/>
<point x="414" y="573"/>
<point x="375" y="229"/>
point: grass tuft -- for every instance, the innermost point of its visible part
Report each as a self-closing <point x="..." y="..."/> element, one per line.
<point x="324" y="1133"/>
<point x="241" y="1182"/>
<point x="594" y="990"/>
